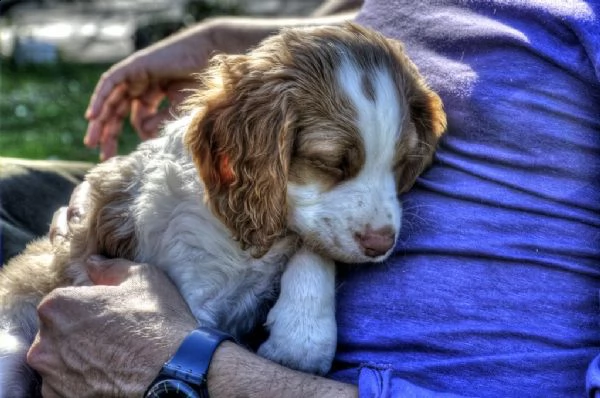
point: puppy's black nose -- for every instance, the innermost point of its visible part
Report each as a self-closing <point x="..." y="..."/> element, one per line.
<point x="376" y="242"/>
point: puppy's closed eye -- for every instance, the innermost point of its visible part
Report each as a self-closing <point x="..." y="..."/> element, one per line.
<point x="339" y="166"/>
<point x="330" y="156"/>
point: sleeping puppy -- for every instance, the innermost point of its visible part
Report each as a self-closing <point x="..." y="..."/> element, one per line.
<point x="284" y="161"/>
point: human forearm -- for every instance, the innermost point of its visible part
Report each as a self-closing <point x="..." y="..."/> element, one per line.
<point x="148" y="321"/>
<point x="237" y="34"/>
<point x="332" y="7"/>
<point x="236" y="372"/>
<point x="138" y="84"/>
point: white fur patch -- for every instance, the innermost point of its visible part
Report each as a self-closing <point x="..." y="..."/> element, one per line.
<point x="368" y="199"/>
<point x="303" y="332"/>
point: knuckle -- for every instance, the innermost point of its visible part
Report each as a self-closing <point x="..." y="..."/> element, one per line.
<point x="50" y="304"/>
<point x="45" y="310"/>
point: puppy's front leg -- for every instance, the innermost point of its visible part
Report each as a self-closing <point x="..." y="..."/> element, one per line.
<point x="302" y="322"/>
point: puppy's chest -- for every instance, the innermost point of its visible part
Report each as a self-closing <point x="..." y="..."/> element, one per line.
<point x="224" y="286"/>
<point x="229" y="290"/>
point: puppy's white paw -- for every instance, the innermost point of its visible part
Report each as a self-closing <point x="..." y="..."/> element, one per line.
<point x="304" y="342"/>
<point x="302" y="321"/>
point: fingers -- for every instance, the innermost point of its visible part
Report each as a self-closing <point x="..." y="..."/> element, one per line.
<point x="110" y="137"/>
<point x="115" y="76"/>
<point x="145" y="116"/>
<point x="135" y="277"/>
<point x="125" y="273"/>
<point x="114" y="105"/>
<point x="111" y="102"/>
<point x="55" y="313"/>
<point x="144" y="107"/>
<point x="57" y="349"/>
<point x="151" y="124"/>
<point x="105" y="129"/>
<point x="129" y="87"/>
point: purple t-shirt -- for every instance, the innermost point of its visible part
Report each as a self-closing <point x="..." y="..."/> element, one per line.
<point x="493" y="288"/>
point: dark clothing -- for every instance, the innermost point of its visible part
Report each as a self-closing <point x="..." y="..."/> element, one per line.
<point x="30" y="193"/>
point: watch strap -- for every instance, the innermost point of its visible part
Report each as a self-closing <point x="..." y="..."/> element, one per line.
<point x="191" y="361"/>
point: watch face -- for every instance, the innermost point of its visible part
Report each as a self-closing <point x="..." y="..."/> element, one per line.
<point x="172" y="388"/>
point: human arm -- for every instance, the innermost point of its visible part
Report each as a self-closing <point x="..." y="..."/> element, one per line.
<point x="331" y="7"/>
<point x="83" y="332"/>
<point x="112" y="341"/>
<point x="138" y="84"/>
<point x="122" y="330"/>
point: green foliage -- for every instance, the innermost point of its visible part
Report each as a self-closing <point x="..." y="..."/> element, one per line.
<point x="41" y="111"/>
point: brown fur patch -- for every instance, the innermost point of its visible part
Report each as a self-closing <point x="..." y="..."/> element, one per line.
<point x="108" y="229"/>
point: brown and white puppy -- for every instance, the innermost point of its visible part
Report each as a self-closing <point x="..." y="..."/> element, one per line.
<point x="285" y="160"/>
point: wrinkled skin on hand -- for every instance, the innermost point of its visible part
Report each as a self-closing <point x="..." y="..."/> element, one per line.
<point x="110" y="339"/>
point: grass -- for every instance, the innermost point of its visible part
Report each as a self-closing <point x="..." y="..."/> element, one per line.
<point x="41" y="111"/>
<point x="42" y="106"/>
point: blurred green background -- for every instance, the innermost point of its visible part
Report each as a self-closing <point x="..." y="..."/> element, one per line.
<point x="52" y="53"/>
<point x="41" y="111"/>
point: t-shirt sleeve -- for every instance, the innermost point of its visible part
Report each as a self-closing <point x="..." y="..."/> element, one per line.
<point x="385" y="383"/>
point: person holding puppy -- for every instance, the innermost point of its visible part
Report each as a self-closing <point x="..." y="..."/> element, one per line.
<point x="493" y="289"/>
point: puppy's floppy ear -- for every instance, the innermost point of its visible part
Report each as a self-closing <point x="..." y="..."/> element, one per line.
<point x="241" y="140"/>
<point x="424" y="125"/>
<point x="428" y="123"/>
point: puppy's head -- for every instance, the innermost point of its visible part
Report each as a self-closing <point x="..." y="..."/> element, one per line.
<point x="317" y="131"/>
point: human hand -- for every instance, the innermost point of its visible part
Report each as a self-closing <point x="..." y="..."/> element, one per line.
<point x="138" y="84"/>
<point x="110" y="339"/>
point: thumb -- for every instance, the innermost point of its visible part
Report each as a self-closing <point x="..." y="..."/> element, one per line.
<point x="112" y="272"/>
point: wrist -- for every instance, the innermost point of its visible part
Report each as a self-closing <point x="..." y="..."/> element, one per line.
<point x="185" y="372"/>
<point x="190" y="48"/>
<point x="152" y="359"/>
<point x="235" y="35"/>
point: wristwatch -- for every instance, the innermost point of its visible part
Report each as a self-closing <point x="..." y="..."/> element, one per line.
<point x="184" y="375"/>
